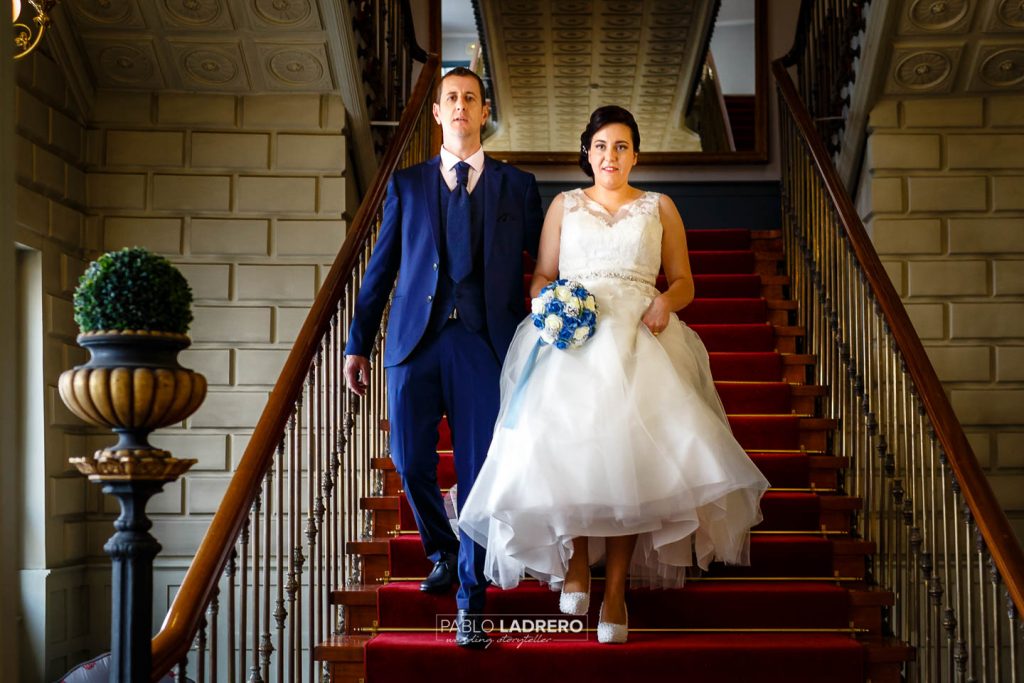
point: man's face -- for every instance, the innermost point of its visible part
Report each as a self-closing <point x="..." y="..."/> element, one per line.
<point x="461" y="111"/>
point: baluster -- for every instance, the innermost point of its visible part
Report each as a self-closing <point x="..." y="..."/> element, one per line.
<point x="352" y="403"/>
<point x="243" y="595"/>
<point x="280" y="613"/>
<point x="959" y="648"/>
<point x="294" y="534"/>
<point x="997" y="635"/>
<point x="298" y="558"/>
<point x="254" y="668"/>
<point x="201" y="651"/>
<point x="230" y="572"/>
<point x="1011" y="613"/>
<point x="948" y="529"/>
<point x="985" y="665"/>
<point x="327" y="529"/>
<point x="265" y="647"/>
<point x="313" y="444"/>
<point x="212" y="614"/>
<point x="320" y="595"/>
<point x="970" y="603"/>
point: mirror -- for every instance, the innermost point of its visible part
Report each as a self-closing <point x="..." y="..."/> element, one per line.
<point x="693" y="72"/>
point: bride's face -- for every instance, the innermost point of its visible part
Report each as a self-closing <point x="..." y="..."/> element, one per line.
<point x="612" y="155"/>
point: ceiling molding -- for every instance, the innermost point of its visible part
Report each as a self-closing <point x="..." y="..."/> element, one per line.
<point x="953" y="47"/>
<point x="68" y="55"/>
<point x="222" y="46"/>
<point x="348" y="73"/>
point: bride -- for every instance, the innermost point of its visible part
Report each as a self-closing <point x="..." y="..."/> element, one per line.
<point x="619" y="449"/>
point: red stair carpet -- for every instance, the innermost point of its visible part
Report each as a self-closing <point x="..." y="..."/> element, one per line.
<point x="801" y="612"/>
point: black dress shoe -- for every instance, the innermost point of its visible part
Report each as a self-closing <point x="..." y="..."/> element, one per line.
<point x="468" y="632"/>
<point x="441" y="577"/>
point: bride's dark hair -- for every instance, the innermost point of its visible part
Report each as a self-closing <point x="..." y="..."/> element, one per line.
<point x="601" y="117"/>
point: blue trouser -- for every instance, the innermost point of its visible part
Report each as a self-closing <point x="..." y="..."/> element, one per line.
<point x="454" y="372"/>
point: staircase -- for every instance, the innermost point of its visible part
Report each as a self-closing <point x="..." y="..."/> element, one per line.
<point x="803" y="611"/>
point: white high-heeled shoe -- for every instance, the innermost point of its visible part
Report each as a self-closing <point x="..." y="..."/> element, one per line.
<point x="575" y="602"/>
<point x="611" y="633"/>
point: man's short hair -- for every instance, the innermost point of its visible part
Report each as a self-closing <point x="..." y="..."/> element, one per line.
<point x="462" y="71"/>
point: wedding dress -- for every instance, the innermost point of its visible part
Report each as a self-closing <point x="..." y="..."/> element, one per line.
<point x="624" y="435"/>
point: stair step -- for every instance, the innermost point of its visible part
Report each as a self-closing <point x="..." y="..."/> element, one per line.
<point x="881" y="658"/>
<point x="704" y="657"/>
<point x="725" y="311"/>
<point x="709" y="604"/>
<point x="789" y="511"/>
<point x="788" y="555"/>
<point x="718" y="238"/>
<point x="722" y="261"/>
<point x="697" y="605"/>
<point x="783" y="468"/>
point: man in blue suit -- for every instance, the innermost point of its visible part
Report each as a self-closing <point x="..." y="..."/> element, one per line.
<point x="453" y="232"/>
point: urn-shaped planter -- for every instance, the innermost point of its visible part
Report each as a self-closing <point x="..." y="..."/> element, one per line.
<point x="132" y="384"/>
<point x="134" y="309"/>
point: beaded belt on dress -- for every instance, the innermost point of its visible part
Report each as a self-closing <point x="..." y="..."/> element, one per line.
<point x="614" y="274"/>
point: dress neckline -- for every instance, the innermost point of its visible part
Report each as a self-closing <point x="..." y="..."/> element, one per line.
<point x="631" y="202"/>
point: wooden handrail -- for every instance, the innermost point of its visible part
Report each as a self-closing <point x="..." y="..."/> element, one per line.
<point x="974" y="485"/>
<point x="172" y="642"/>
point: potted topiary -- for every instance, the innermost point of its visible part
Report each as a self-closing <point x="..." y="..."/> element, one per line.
<point x="133" y="309"/>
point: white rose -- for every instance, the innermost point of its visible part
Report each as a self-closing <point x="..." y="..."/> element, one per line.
<point x="548" y="296"/>
<point x="573" y="303"/>
<point x="590" y="303"/>
<point x="581" y="333"/>
<point x="553" y="323"/>
<point x="537" y="306"/>
<point x="563" y="293"/>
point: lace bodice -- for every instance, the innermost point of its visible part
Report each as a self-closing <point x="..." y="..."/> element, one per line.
<point x="596" y="244"/>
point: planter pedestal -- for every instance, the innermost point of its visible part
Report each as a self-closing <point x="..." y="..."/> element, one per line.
<point x="132" y="384"/>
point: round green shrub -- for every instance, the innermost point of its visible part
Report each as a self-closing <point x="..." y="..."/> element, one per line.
<point x="133" y="289"/>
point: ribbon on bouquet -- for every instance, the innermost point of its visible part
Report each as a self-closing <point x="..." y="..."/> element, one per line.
<point x="515" y="404"/>
<point x="566" y="315"/>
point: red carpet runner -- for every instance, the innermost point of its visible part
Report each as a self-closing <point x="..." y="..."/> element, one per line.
<point x="776" y="620"/>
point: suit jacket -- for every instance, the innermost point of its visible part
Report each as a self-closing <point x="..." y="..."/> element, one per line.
<point x="409" y="247"/>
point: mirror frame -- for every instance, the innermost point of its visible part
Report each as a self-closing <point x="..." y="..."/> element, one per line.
<point x="752" y="156"/>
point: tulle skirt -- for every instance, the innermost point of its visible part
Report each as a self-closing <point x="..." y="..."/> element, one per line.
<point x="624" y="435"/>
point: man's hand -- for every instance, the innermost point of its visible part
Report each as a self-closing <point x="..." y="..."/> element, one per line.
<point x="357" y="374"/>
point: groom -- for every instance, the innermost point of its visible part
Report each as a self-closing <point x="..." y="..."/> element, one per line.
<point x="453" y="231"/>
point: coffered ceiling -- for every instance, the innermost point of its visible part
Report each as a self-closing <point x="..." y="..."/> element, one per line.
<point x="233" y="46"/>
<point x="957" y="46"/>
<point x="553" y="62"/>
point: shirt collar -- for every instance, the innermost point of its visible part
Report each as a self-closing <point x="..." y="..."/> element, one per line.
<point x="475" y="160"/>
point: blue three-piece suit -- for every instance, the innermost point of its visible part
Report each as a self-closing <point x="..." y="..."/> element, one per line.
<point x="446" y="340"/>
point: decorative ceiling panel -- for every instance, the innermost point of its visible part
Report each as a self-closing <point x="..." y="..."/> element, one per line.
<point x="554" y="62"/>
<point x="958" y="46"/>
<point x="235" y="46"/>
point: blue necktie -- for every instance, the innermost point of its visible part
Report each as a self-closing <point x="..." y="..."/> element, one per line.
<point x="457" y="239"/>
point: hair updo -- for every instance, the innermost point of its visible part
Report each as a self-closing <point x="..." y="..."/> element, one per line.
<point x="602" y="117"/>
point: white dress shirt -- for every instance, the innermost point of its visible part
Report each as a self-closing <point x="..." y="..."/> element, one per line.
<point x="476" y="167"/>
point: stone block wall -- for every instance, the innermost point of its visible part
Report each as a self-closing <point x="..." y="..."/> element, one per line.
<point x="248" y="197"/>
<point x="49" y="198"/>
<point x="943" y="196"/>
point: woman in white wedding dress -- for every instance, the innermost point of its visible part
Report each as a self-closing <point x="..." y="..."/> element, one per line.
<point x="621" y="448"/>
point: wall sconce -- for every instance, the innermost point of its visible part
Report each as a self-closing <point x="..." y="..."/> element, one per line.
<point x="25" y="37"/>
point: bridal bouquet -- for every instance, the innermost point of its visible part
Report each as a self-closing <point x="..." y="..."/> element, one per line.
<point x="565" y="313"/>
